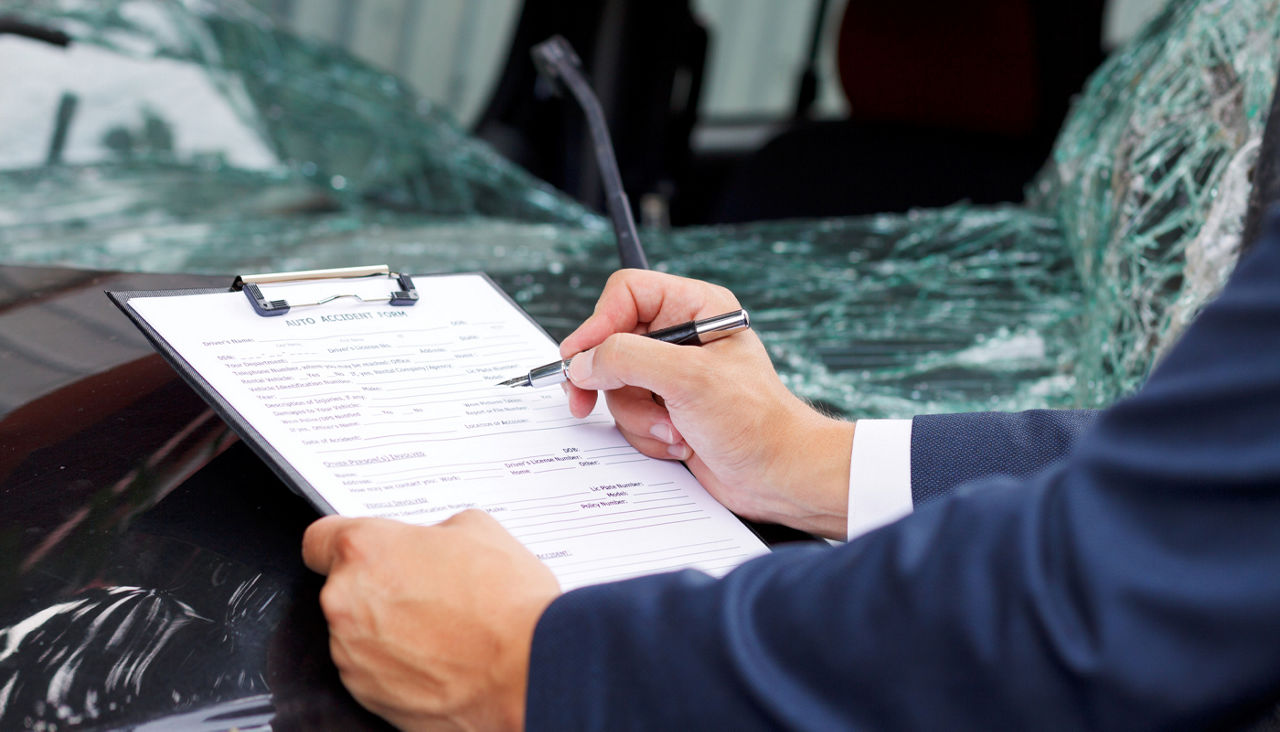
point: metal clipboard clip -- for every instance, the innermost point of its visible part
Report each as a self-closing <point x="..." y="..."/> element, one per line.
<point x="250" y="285"/>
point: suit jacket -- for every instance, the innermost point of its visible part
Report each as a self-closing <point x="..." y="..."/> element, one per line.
<point x="1132" y="581"/>
<point x="948" y="450"/>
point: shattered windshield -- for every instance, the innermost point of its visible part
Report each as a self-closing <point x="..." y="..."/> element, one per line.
<point x="195" y="137"/>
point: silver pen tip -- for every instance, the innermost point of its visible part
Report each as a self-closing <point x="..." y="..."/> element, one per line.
<point x="517" y="381"/>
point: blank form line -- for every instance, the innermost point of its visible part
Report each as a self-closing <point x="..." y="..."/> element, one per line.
<point x="417" y="380"/>
<point x="270" y="395"/>
<point x="534" y="508"/>
<point x="705" y="555"/>
<point x="590" y="517"/>
<point x="454" y="396"/>
<point x="636" y="554"/>
<point x="510" y="340"/>
<point x="449" y="473"/>
<point x="460" y="437"/>
<point x="408" y="421"/>
<point x="426" y="473"/>
<point x="619" y="521"/>
<point x="504" y="363"/>
<point x="371" y="357"/>
<point x="616" y="447"/>
<point x="620" y="454"/>
<point x="524" y="349"/>
<point x="613" y="531"/>
<point x="429" y="473"/>
<point x="542" y="498"/>
<point x="472" y="470"/>
<point x="399" y="434"/>
<point x="640" y="459"/>
<point x="451" y="400"/>
<point x="548" y="513"/>
<point x="554" y="470"/>
<point x="476" y="462"/>
<point x="438" y="393"/>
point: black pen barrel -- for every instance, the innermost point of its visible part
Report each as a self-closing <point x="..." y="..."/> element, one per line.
<point x="684" y="334"/>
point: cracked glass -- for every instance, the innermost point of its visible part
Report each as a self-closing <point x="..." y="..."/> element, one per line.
<point x="319" y="161"/>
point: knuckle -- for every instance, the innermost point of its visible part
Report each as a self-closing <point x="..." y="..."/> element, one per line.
<point x="468" y="517"/>
<point x="724" y="294"/>
<point x="620" y="277"/>
<point x="612" y="349"/>
<point x="348" y="545"/>
<point x="620" y="281"/>
<point x="333" y="603"/>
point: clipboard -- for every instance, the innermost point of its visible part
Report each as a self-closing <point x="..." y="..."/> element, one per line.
<point x="251" y="285"/>
<point x="408" y="419"/>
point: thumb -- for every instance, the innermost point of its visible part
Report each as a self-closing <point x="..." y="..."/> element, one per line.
<point x="319" y="543"/>
<point x="625" y="359"/>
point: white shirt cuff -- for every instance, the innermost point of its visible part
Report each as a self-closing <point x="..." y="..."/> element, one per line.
<point x="879" y="474"/>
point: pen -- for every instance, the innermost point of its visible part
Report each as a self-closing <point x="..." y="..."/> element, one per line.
<point x="692" y="333"/>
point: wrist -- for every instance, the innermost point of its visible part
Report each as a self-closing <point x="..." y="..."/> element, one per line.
<point x="813" y="474"/>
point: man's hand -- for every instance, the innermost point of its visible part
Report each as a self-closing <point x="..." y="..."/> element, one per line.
<point x="755" y="446"/>
<point x="431" y="627"/>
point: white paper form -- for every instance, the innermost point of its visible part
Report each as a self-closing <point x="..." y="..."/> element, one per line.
<point x="393" y="411"/>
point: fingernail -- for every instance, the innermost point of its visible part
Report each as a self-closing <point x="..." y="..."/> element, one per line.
<point x="580" y="367"/>
<point x="663" y="433"/>
<point x="679" y="452"/>
<point x="564" y="387"/>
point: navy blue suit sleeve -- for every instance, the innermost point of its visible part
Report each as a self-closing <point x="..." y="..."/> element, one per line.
<point x="948" y="450"/>
<point x="1132" y="585"/>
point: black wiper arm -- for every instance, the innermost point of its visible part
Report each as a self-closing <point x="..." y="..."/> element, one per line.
<point x="558" y="64"/>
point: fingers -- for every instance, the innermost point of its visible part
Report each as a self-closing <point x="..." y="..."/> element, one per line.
<point x="634" y="300"/>
<point x="624" y="359"/>
<point x="646" y="424"/>
<point x="637" y="301"/>
<point x="431" y="627"/>
<point x="333" y="539"/>
<point x="472" y="519"/>
<point x="616" y="312"/>
<point x="581" y="401"/>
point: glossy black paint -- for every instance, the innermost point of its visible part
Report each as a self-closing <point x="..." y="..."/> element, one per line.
<point x="149" y="563"/>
